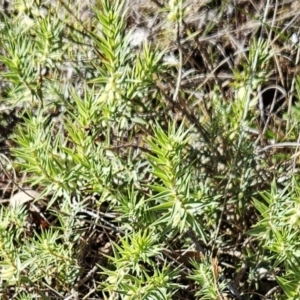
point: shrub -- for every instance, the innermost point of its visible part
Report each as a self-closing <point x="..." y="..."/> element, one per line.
<point x="148" y="183"/>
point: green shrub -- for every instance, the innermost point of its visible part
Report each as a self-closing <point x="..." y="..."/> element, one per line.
<point x="151" y="191"/>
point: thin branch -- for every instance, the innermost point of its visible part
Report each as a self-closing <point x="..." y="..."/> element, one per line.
<point x="179" y="76"/>
<point x="279" y="145"/>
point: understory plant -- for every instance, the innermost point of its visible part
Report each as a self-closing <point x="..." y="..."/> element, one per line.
<point x="144" y="188"/>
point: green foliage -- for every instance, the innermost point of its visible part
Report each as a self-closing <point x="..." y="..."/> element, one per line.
<point x="206" y="275"/>
<point x="177" y="205"/>
<point x="34" y="258"/>
<point x="32" y="46"/>
<point x="131" y="277"/>
<point x="277" y="232"/>
<point x="148" y="184"/>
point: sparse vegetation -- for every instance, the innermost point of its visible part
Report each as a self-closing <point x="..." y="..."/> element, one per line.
<point x="150" y="150"/>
